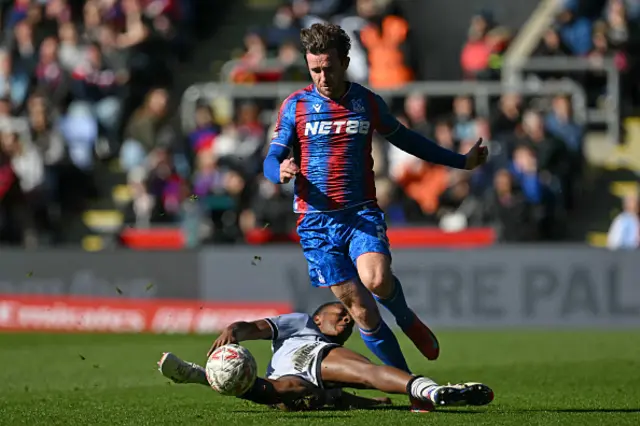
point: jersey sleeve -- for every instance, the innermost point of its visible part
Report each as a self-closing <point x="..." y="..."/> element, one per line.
<point x="285" y="326"/>
<point x="385" y="123"/>
<point x="284" y="133"/>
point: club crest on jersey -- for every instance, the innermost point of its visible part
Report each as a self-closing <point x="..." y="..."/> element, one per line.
<point x="350" y="127"/>
<point x="357" y="106"/>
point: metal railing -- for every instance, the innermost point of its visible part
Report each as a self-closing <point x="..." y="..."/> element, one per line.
<point x="267" y="64"/>
<point x="514" y="74"/>
<point x="481" y="92"/>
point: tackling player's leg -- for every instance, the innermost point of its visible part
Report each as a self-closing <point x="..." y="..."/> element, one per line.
<point x="287" y="392"/>
<point x="347" y="368"/>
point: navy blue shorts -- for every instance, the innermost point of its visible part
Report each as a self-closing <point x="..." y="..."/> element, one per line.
<point x="332" y="241"/>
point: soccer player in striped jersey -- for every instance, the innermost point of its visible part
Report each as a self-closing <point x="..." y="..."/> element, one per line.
<point x="322" y="139"/>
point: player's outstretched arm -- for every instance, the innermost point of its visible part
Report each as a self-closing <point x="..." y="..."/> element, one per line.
<point x="423" y="148"/>
<point x="243" y="331"/>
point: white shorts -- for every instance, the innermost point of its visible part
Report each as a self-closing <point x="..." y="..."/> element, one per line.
<point x="303" y="361"/>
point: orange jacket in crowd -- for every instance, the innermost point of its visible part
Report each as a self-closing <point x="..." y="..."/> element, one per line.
<point x="387" y="62"/>
<point x="424" y="184"/>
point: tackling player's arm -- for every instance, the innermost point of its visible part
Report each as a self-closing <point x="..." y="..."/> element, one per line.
<point x="279" y="327"/>
<point x="278" y="167"/>
<point x="242" y="331"/>
<point x="425" y="149"/>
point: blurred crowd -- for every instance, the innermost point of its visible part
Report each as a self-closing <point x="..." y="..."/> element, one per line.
<point x="524" y="191"/>
<point x="598" y="30"/>
<point x="72" y="73"/>
<point x="91" y="80"/>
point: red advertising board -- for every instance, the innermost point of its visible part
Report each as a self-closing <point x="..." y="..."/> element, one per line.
<point x="115" y="315"/>
<point x="172" y="238"/>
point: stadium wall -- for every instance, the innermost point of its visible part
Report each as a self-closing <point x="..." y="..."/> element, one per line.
<point x="200" y="292"/>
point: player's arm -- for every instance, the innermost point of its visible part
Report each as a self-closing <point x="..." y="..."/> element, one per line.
<point x="414" y="143"/>
<point x="279" y="327"/>
<point x="284" y="136"/>
<point x="242" y="331"/>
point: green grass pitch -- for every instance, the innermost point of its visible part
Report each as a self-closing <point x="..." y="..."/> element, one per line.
<point x="539" y="378"/>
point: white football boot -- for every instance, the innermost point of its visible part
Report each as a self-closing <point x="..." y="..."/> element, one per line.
<point x="180" y="371"/>
<point x="469" y="393"/>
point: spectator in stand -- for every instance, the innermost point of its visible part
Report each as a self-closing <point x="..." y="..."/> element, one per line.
<point x="308" y="12"/>
<point x="559" y="123"/>
<point x="632" y="8"/>
<point x="240" y="146"/>
<point x="508" y="211"/>
<point x="552" y="45"/>
<point x="270" y="207"/>
<point x="70" y="53"/>
<point x="463" y="118"/>
<point x="415" y="107"/>
<point x="624" y="233"/>
<point x="575" y="30"/>
<point x="552" y="155"/>
<point x="203" y="136"/>
<point x="536" y="190"/>
<point x="28" y="166"/>
<point x="11" y="230"/>
<point x="46" y="138"/>
<point x="141" y="134"/>
<point x="96" y="88"/>
<point x="475" y="55"/>
<point x="366" y="10"/>
<point x="23" y="61"/>
<point x="50" y="77"/>
<point x="386" y="40"/>
<point x="285" y="28"/>
<point x="481" y="55"/>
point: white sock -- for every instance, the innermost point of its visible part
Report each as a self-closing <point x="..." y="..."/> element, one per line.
<point x="423" y="388"/>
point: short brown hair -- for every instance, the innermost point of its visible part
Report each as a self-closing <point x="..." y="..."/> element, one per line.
<point x="320" y="38"/>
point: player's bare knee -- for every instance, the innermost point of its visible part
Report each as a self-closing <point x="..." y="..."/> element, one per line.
<point x="379" y="282"/>
<point x="374" y="271"/>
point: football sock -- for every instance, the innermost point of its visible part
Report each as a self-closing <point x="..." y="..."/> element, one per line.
<point x="383" y="343"/>
<point x="422" y="388"/>
<point x="397" y="305"/>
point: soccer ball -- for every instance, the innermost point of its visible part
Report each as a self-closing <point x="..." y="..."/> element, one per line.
<point x="231" y="370"/>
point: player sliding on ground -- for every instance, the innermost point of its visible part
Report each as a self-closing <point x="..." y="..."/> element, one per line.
<point x="309" y="363"/>
<point x="323" y="140"/>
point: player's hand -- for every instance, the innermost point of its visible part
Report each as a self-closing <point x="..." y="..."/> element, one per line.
<point x="476" y="156"/>
<point x="288" y="170"/>
<point x="228" y="336"/>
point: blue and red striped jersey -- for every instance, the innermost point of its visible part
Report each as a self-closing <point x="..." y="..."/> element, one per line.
<point x="331" y="142"/>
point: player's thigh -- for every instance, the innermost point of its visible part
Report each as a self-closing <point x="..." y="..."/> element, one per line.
<point x="292" y="386"/>
<point x="369" y="251"/>
<point x="326" y="256"/>
<point x="368" y="233"/>
<point x="344" y="366"/>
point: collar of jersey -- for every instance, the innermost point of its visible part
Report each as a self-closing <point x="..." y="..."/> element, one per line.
<point x="315" y="90"/>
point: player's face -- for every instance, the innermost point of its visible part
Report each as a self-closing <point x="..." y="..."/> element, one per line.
<point x="335" y="322"/>
<point x="328" y="71"/>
